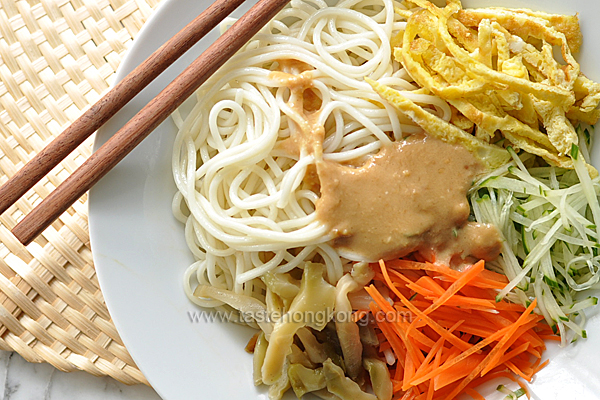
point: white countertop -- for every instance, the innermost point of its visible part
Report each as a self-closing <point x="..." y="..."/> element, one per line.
<point x="22" y="380"/>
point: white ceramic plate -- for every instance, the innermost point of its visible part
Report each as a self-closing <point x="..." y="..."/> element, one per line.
<point x="140" y="253"/>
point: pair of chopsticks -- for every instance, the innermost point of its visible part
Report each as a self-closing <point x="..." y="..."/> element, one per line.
<point x="144" y="122"/>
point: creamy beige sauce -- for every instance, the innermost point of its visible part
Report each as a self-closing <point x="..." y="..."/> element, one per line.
<point x="410" y="197"/>
<point x="304" y="105"/>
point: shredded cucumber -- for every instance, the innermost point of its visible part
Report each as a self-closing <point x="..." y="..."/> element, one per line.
<point x="511" y="394"/>
<point x="549" y="218"/>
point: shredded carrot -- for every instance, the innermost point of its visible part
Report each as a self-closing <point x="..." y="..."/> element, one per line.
<point x="410" y="394"/>
<point x="525" y="388"/>
<point x="456" y="336"/>
<point x="359" y="314"/>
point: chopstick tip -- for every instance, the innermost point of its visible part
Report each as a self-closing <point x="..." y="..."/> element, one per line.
<point x="24" y="234"/>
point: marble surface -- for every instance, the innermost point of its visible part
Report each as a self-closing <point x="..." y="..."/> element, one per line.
<point x="21" y="380"/>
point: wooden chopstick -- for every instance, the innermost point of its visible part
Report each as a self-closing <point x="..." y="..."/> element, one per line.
<point x="99" y="113"/>
<point x="155" y="112"/>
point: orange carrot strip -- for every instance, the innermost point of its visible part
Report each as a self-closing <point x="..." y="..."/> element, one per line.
<point x="524" y="387"/>
<point x="459" y="336"/>
<point x="542" y="365"/>
<point x="513" y="353"/>
<point x="506" y="306"/>
<point x="436" y="364"/>
<point x="487" y="294"/>
<point x="439" y="329"/>
<point x="409" y="371"/>
<point x="490" y="278"/>
<point x="409" y="395"/>
<point x="468" y="303"/>
<point x="474" y="348"/>
<point x="429" y="289"/>
<point x="509" y="342"/>
<point x="403" y="277"/>
<point x="465" y="277"/>
<point x="502" y="321"/>
<point x="517" y="371"/>
<point x="550" y="337"/>
<point x="426" y="364"/>
<point x="413" y="353"/>
<point x="359" y="314"/>
<point x="398" y="373"/>
<point x="398" y="324"/>
<point x="496" y="351"/>
<point x="469" y="329"/>
<point x="501" y="334"/>
<point x="385" y="346"/>
<point x="435" y="350"/>
<point x="460" y="370"/>
<point x="427" y="283"/>
<point x="393" y="340"/>
<point x="503" y="344"/>
<point x="466" y="337"/>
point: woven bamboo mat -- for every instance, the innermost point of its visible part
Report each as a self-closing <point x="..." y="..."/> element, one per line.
<point x="57" y="57"/>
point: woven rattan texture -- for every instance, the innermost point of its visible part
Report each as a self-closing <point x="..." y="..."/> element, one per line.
<point x="57" y="58"/>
